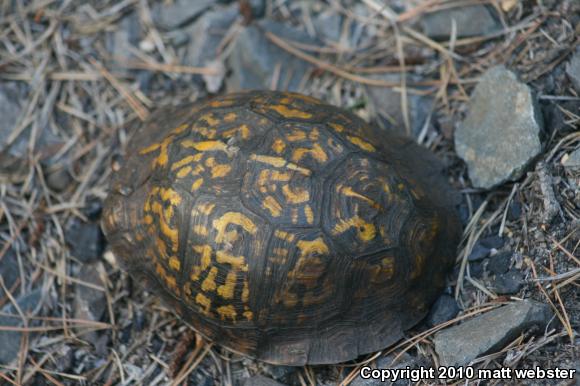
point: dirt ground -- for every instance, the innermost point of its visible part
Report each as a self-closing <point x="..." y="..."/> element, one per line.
<point x="76" y="77"/>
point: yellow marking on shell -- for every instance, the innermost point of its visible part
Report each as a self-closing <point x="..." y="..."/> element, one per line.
<point x="284" y="235"/>
<point x="180" y="129"/>
<point x="361" y="143"/>
<point x="287" y="112"/>
<point x="296" y="196"/>
<point x="337" y="127"/>
<point x="163" y="156"/>
<point x="316" y="152"/>
<point x="310" y="247"/>
<point x="221" y="103"/>
<point x="148" y="219"/>
<point x="204" y="302"/>
<point x="290" y="300"/>
<point x="387" y="188"/>
<point x="220" y="170"/>
<point x="278" y="146"/>
<point x="209" y="282"/>
<point x="200" y="230"/>
<point x="174" y="263"/>
<point x="244" y="130"/>
<point x="249" y="315"/>
<point x="170" y="195"/>
<point x="183" y="172"/>
<point x="182" y="162"/>
<point x="230" y="117"/>
<point x="238" y="263"/>
<point x="401" y="186"/>
<point x="294" y="215"/>
<point x="348" y="191"/>
<point x="234" y="218"/>
<point x="205" y="208"/>
<point x="205" y="251"/>
<point x="314" y="135"/>
<point x="161" y="247"/>
<point x="245" y="291"/>
<point x="272" y="206"/>
<point x="196" y="184"/>
<point x="209" y="118"/>
<point x="365" y="230"/>
<point x="296" y="135"/>
<point x="279" y="163"/>
<point x="226" y="312"/>
<point x="171" y="282"/>
<point x="280" y="252"/>
<point x="226" y="291"/>
<point x="204" y="145"/>
<point x="309" y="215"/>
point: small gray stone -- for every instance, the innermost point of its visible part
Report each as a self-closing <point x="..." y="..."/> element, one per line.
<point x="508" y="283"/>
<point x="573" y="70"/>
<point x="489" y="332"/>
<point x="444" y="309"/>
<point x="328" y="25"/>
<point x="9" y="270"/>
<point x="500" y="135"/>
<point x="179" y="13"/>
<point x="86" y="240"/>
<point x="387" y="104"/>
<point x="573" y="160"/>
<point x="10" y="151"/>
<point x="254" y="59"/>
<point x="206" y="34"/>
<point x="90" y="303"/>
<point x="479" y="252"/>
<point x="119" y="43"/>
<point x="258" y="380"/>
<point x="11" y="339"/>
<point x="473" y="20"/>
<point x="59" y="180"/>
<point x="500" y="263"/>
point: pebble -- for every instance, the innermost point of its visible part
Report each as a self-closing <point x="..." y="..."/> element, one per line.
<point x="11" y="339"/>
<point x="438" y="25"/>
<point x="479" y="252"/>
<point x="507" y="283"/>
<point x="10" y="111"/>
<point x="489" y="332"/>
<point x="9" y="271"/>
<point x="254" y="59"/>
<point x="179" y="13"/>
<point x="500" y="262"/>
<point x="444" y="309"/>
<point x="86" y="240"/>
<point x="90" y="303"/>
<point x="59" y="180"/>
<point x="500" y="135"/>
<point x="573" y="70"/>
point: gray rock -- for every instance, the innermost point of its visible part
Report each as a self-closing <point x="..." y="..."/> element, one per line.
<point x="508" y="283"/>
<point x="59" y="179"/>
<point x="258" y="380"/>
<point x="179" y="13"/>
<point x="489" y="332"/>
<point x="9" y="271"/>
<point x="90" y="303"/>
<point x="85" y="240"/>
<point x="386" y="362"/>
<point x="573" y="160"/>
<point x="444" y="309"/>
<point x="473" y="20"/>
<point x="11" y="150"/>
<point x="206" y="34"/>
<point x="29" y="304"/>
<point x="328" y="25"/>
<point x="500" y="135"/>
<point x="119" y="42"/>
<point x="479" y="252"/>
<point x="254" y="58"/>
<point x="387" y="105"/>
<point x="500" y="263"/>
<point x="573" y="70"/>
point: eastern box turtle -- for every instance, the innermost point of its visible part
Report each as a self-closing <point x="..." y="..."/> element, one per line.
<point x="282" y="227"/>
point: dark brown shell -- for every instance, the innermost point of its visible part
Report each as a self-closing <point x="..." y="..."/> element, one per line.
<point x="282" y="227"/>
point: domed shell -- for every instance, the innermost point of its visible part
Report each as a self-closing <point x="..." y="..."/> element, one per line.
<point x="282" y="227"/>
